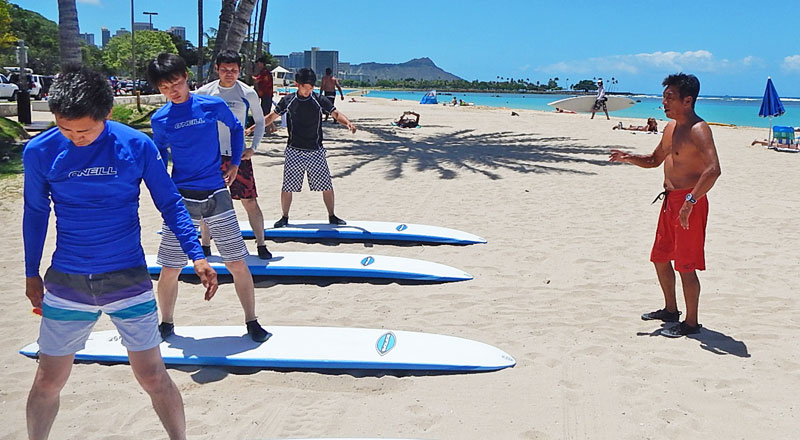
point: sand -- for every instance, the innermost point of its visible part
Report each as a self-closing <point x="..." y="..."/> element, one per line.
<point x="560" y="286"/>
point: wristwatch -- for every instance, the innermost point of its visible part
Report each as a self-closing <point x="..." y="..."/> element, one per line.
<point x="690" y="198"/>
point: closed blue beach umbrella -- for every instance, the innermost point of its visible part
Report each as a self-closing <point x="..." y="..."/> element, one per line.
<point x="771" y="105"/>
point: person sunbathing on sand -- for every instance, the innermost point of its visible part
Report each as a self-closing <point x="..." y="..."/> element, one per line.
<point x="561" y="110"/>
<point x="407" y="122"/>
<point x="651" y="127"/>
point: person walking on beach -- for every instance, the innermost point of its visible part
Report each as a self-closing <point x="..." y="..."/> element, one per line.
<point x="240" y="98"/>
<point x="691" y="167"/>
<point x="600" y="100"/>
<point x="263" y="84"/>
<point x="92" y="170"/>
<point x="304" y="151"/>
<point x="328" y="87"/>
<point x="187" y="126"/>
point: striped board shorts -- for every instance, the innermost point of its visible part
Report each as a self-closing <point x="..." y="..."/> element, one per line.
<point x="215" y="208"/>
<point x="73" y="302"/>
<point x="301" y="162"/>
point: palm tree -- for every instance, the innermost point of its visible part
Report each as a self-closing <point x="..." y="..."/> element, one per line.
<point x="238" y="29"/>
<point x="225" y="20"/>
<point x="262" y="15"/>
<point x="200" y="60"/>
<point x="68" y="33"/>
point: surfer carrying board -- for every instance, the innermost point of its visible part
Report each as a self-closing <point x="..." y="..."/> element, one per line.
<point x="600" y="100"/>
<point x="92" y="170"/>
<point x="691" y="167"/>
<point x="240" y="97"/>
<point x="304" y="151"/>
<point x="187" y="128"/>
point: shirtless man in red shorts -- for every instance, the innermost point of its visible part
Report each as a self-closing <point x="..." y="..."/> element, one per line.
<point x="691" y="167"/>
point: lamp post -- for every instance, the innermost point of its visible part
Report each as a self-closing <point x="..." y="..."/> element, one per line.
<point x="151" y="14"/>
<point x="133" y="63"/>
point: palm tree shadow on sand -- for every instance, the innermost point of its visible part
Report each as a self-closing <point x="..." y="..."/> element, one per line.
<point x="456" y="151"/>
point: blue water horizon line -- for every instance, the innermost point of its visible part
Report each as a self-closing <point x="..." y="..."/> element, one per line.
<point x="728" y="109"/>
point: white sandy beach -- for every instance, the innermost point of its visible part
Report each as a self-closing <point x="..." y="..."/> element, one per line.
<point x="560" y="286"/>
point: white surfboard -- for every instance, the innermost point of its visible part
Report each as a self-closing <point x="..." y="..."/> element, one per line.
<point x="334" y="264"/>
<point x="366" y="231"/>
<point x="584" y="104"/>
<point x="307" y="348"/>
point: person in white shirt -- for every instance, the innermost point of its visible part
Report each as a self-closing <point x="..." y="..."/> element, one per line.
<point x="600" y="100"/>
<point x="240" y="98"/>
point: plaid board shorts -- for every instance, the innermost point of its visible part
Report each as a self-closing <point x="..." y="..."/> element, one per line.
<point x="244" y="186"/>
<point x="301" y="162"/>
<point x="73" y="302"/>
<point x="216" y="209"/>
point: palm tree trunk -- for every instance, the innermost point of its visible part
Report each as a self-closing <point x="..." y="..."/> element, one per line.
<point x="225" y="20"/>
<point x="262" y="15"/>
<point x="200" y="60"/>
<point x="238" y="29"/>
<point x="68" y="33"/>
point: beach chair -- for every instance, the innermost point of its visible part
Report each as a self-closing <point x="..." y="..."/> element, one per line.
<point x="783" y="139"/>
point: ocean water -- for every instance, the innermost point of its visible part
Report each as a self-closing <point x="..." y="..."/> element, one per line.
<point x="736" y="110"/>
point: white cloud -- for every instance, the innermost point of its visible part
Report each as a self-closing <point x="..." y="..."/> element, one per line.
<point x="791" y="63"/>
<point x="690" y="61"/>
<point x="91" y="2"/>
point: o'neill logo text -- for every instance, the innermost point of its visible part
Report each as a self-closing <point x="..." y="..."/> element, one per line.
<point x="190" y="122"/>
<point x="94" y="171"/>
<point x="386" y="343"/>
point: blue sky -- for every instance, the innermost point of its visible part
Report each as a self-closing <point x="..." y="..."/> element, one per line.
<point x="638" y="43"/>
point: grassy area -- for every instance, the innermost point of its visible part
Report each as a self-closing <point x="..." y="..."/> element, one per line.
<point x="128" y="114"/>
<point x="11" y="136"/>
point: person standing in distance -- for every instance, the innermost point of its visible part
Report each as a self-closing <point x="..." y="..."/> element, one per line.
<point x="691" y="167"/>
<point x="91" y="169"/>
<point x="240" y="98"/>
<point x="304" y="151"/>
<point x="328" y="86"/>
<point x="600" y="100"/>
<point x="264" y="84"/>
<point x="188" y="127"/>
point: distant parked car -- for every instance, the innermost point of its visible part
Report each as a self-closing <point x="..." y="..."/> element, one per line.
<point x="35" y="84"/>
<point x="8" y="89"/>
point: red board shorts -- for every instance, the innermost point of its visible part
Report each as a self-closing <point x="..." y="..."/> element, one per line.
<point x="244" y="187"/>
<point x="673" y="243"/>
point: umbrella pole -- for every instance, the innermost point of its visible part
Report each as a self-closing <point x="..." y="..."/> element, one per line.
<point x="769" y="144"/>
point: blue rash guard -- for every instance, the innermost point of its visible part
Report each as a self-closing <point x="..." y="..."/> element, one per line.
<point x="190" y="131"/>
<point x="95" y="194"/>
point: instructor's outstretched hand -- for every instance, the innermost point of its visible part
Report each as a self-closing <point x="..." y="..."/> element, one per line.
<point x="208" y="276"/>
<point x="619" y="156"/>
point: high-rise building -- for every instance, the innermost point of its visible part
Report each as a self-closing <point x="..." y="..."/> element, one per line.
<point x="105" y="35"/>
<point x="88" y="38"/>
<point x="177" y="30"/>
<point x="142" y="26"/>
<point x="283" y="60"/>
<point x="319" y="60"/>
<point x="122" y="32"/>
<point x="296" y="60"/>
<point x="344" y="68"/>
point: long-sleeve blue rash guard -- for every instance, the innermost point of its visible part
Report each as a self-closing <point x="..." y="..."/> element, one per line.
<point x="190" y="131"/>
<point x="95" y="194"/>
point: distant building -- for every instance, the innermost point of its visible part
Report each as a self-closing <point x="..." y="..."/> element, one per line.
<point x="344" y="68"/>
<point x="296" y="61"/>
<point x="283" y="60"/>
<point x="105" y="35"/>
<point x="142" y="26"/>
<point x="319" y="60"/>
<point x="122" y="32"/>
<point x="88" y="38"/>
<point x="177" y="30"/>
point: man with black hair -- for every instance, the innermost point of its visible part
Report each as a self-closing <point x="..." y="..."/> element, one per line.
<point x="91" y="169"/>
<point x="328" y="86"/>
<point x="304" y="151"/>
<point x="264" y="84"/>
<point x="188" y="126"/>
<point x="240" y="98"/>
<point x="691" y="167"/>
